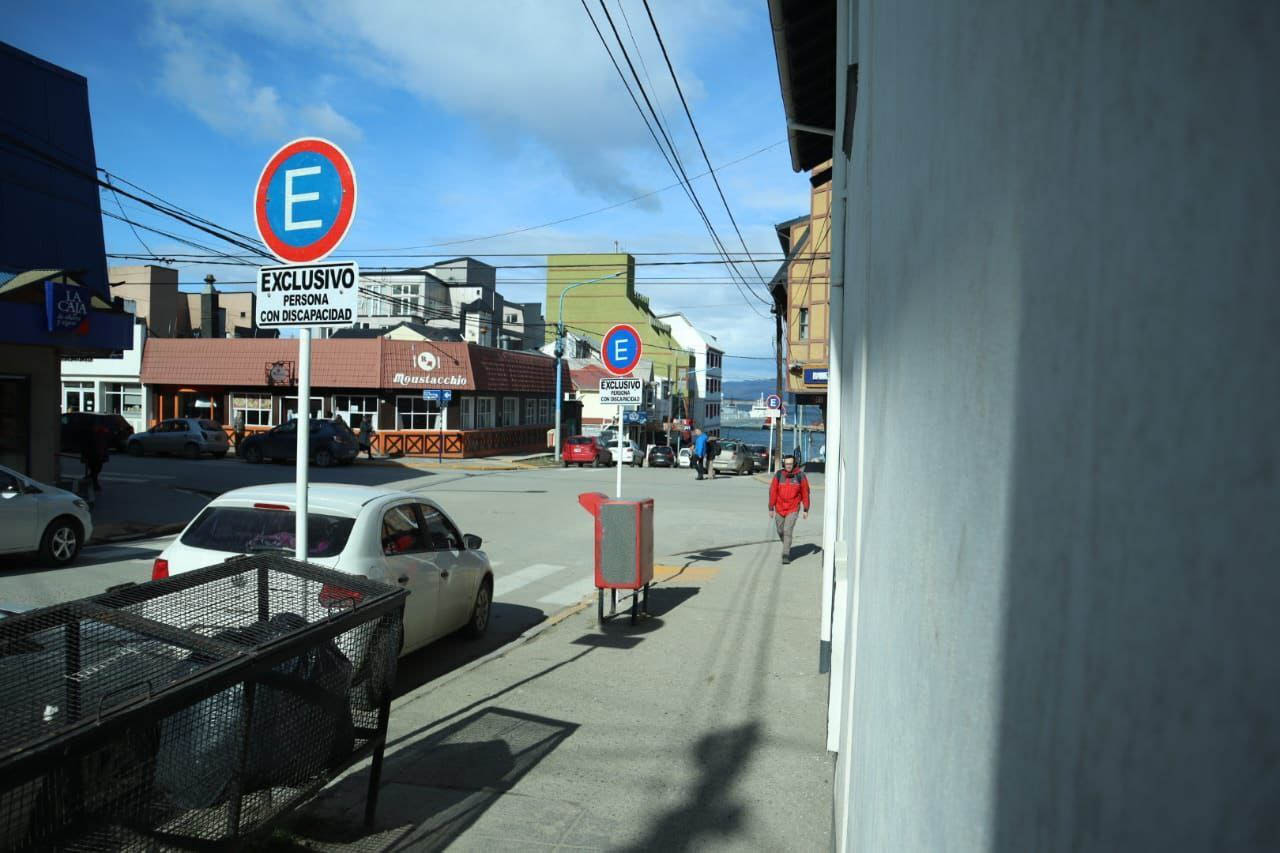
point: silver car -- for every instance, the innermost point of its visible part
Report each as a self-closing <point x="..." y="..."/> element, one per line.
<point x="189" y="437"/>
<point x="34" y="517"/>
<point x="733" y="456"/>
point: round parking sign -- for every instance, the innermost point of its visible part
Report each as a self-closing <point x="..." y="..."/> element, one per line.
<point x="773" y="401"/>
<point x="305" y="200"/>
<point x="620" y="349"/>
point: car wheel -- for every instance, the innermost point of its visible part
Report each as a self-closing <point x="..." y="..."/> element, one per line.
<point x="479" y="622"/>
<point x="252" y="455"/>
<point x="324" y="458"/>
<point x="220" y="454"/>
<point x="190" y="450"/>
<point x="135" y="448"/>
<point x="61" y="541"/>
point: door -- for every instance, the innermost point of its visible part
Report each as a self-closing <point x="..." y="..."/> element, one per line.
<point x="162" y="438"/>
<point x="455" y="568"/>
<point x="405" y="555"/>
<point x="17" y="516"/>
<point x="282" y="442"/>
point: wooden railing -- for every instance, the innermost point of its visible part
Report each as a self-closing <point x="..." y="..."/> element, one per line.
<point x="449" y="444"/>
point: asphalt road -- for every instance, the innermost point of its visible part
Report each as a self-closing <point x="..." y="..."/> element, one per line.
<point x="538" y="538"/>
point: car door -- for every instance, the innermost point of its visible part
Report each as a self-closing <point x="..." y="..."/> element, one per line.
<point x="166" y="437"/>
<point x="458" y="570"/>
<point x="282" y="442"/>
<point x="407" y="563"/>
<point x="19" y="530"/>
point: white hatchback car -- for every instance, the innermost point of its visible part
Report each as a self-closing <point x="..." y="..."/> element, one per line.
<point x="36" y="517"/>
<point x="393" y="537"/>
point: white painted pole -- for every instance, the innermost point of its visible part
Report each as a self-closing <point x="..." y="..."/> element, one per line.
<point x="618" y="461"/>
<point x="772" y="423"/>
<point x="304" y="441"/>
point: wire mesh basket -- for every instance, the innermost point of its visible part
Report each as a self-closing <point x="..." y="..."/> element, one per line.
<point x="192" y="711"/>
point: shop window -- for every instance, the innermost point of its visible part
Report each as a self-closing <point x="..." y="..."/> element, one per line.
<point x="78" y="397"/>
<point x="468" y="413"/>
<point x="510" y="412"/>
<point x="415" y="413"/>
<point x="531" y="411"/>
<point x="256" y="408"/>
<point x="123" y="398"/>
<point x="544" y="411"/>
<point x="289" y="407"/>
<point x="485" y="414"/>
<point x="356" y="409"/>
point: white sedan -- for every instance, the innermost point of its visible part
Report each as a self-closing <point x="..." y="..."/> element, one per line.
<point x="36" y="517"/>
<point x="392" y="537"/>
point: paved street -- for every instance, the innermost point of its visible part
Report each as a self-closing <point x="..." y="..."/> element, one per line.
<point x="537" y="536"/>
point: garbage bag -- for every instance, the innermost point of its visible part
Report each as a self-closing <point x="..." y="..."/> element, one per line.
<point x="300" y="724"/>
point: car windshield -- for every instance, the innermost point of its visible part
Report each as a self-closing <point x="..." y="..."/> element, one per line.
<point x="580" y="440"/>
<point x="242" y="530"/>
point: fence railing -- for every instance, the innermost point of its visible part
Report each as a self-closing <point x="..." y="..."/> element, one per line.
<point x="449" y="444"/>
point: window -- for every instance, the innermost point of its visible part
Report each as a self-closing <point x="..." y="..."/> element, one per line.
<point x="123" y="399"/>
<point x="713" y="385"/>
<point x="531" y="411"/>
<point x="441" y="535"/>
<point x="256" y="408"/>
<point x="415" y="413"/>
<point x="289" y="407"/>
<point x="713" y="359"/>
<point x="242" y="530"/>
<point x="78" y="397"/>
<point x="544" y="411"/>
<point x="581" y="349"/>
<point x="401" y="533"/>
<point x="484" y="412"/>
<point x="355" y="409"/>
<point x="803" y="324"/>
<point x="510" y="412"/>
<point x="468" y="413"/>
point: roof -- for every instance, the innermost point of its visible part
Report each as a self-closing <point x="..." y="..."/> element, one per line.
<point x="331" y="497"/>
<point x="347" y="363"/>
<point x="804" y="42"/>
<point x="588" y="378"/>
<point x="427" y="332"/>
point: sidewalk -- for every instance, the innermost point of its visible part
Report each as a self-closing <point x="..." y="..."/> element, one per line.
<point x="702" y="727"/>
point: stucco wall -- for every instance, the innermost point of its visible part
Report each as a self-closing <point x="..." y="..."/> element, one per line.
<point x="1063" y="242"/>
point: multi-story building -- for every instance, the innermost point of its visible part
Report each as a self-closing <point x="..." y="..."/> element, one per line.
<point x="457" y="294"/>
<point x="591" y="309"/>
<point x="702" y="386"/>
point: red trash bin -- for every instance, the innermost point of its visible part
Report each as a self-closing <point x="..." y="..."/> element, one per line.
<point x="623" y="547"/>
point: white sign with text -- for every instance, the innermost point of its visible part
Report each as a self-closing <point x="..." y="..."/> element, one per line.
<point x="621" y="392"/>
<point x="307" y="295"/>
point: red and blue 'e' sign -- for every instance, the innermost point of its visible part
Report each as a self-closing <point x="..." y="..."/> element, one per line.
<point x="620" y="349"/>
<point x="305" y="200"/>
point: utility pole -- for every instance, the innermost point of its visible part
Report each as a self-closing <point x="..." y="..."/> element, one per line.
<point x="778" y="349"/>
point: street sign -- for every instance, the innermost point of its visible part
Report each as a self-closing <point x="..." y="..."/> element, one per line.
<point x="635" y="417"/>
<point x="305" y="200"/>
<point x="307" y="295"/>
<point x="773" y="401"/>
<point x="438" y="394"/>
<point x="621" y="392"/>
<point x="620" y="350"/>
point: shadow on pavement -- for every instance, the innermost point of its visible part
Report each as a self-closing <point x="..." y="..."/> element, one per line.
<point x="507" y="621"/>
<point x="805" y="550"/>
<point x="712" y="813"/>
<point x="434" y="788"/>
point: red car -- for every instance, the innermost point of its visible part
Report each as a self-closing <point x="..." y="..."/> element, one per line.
<point x="585" y="450"/>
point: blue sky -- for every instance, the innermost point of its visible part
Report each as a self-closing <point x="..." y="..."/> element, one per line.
<point x="462" y="120"/>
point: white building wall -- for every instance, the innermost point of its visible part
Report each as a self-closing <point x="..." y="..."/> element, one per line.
<point x="1061" y="281"/>
<point x="689" y="338"/>
<point x="100" y="374"/>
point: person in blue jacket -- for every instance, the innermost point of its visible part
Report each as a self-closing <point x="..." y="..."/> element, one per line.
<point x="699" y="453"/>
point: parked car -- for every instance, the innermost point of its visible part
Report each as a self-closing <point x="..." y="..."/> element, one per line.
<point x="188" y="436"/>
<point x="586" y="450"/>
<point x="393" y="537"/>
<point x="76" y="424"/>
<point x="759" y="456"/>
<point x="331" y="443"/>
<point x="632" y="454"/>
<point x="36" y="517"/>
<point x="685" y="457"/>
<point x="661" y="456"/>
<point x="733" y="457"/>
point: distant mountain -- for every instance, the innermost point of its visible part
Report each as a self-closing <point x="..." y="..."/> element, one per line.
<point x="747" y="389"/>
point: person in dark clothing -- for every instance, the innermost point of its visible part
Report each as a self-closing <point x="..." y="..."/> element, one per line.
<point x="95" y="442"/>
<point x="698" y="458"/>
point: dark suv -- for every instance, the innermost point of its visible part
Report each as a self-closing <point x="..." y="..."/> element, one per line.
<point x="75" y="425"/>
<point x="331" y="442"/>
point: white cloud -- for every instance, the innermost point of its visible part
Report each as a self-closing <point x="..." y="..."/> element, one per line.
<point x="217" y="85"/>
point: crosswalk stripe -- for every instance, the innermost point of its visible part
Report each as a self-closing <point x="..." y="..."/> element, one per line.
<point x="571" y="594"/>
<point x="524" y="577"/>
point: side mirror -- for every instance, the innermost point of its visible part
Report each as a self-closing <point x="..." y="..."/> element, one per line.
<point x="472" y="541"/>
<point x="9" y="493"/>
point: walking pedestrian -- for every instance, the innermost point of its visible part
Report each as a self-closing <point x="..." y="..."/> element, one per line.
<point x="94" y="444"/>
<point x="698" y="457"/>
<point x="237" y="427"/>
<point x="788" y="491"/>
<point x="366" y="435"/>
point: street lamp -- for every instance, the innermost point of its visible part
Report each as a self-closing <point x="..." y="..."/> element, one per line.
<point x="560" y="349"/>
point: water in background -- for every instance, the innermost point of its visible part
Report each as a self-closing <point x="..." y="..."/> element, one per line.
<point x="810" y="442"/>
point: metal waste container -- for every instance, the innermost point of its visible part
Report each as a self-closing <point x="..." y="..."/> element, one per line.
<point x="623" y="547"/>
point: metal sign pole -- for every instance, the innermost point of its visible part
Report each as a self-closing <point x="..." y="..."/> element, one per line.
<point x="618" y="461"/>
<point x="303" y="421"/>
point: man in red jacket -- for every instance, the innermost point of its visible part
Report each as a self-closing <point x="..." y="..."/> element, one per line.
<point x="788" y="490"/>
